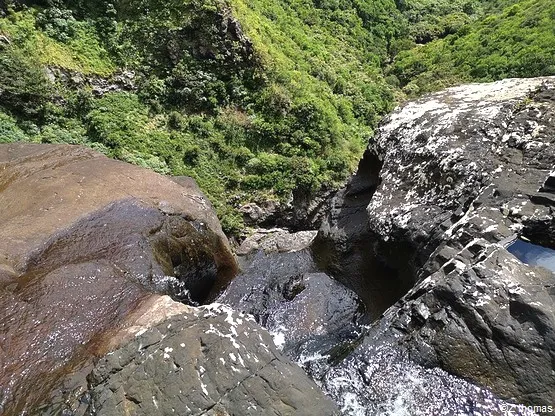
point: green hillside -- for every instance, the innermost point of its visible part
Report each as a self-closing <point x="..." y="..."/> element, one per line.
<point x="252" y="98"/>
<point x="511" y="39"/>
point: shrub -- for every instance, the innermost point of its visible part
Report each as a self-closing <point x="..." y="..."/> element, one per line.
<point x="9" y="131"/>
<point x="24" y="88"/>
<point x="57" y="23"/>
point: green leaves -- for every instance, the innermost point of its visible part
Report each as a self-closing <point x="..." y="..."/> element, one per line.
<point x="255" y="99"/>
<point x="10" y="131"/>
<point x="24" y="89"/>
<point x="57" y="23"/>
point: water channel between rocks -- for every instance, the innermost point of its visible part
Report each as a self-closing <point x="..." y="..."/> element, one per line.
<point x="316" y="321"/>
<point x="533" y="254"/>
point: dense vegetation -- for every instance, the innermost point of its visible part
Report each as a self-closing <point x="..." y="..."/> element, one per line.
<point x="284" y="100"/>
<point x="511" y="39"/>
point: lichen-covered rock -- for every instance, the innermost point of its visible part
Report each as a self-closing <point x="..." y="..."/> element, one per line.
<point x="484" y="316"/>
<point x="447" y="181"/>
<point x="204" y="361"/>
<point x="466" y="162"/>
<point x="489" y="318"/>
<point x="84" y="240"/>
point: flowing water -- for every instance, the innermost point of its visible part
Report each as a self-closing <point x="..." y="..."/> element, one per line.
<point x="366" y="377"/>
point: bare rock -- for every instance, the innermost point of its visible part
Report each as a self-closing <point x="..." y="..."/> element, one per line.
<point x="276" y="240"/>
<point x="202" y="361"/>
<point x="449" y="179"/>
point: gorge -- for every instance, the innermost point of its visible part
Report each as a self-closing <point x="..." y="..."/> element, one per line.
<point x="287" y="207"/>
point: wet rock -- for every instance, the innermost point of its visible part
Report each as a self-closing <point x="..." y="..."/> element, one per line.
<point x="316" y="321"/>
<point x="84" y="241"/>
<point x="306" y="210"/>
<point x="309" y="313"/>
<point x="345" y="245"/>
<point x="449" y="179"/>
<point x="380" y="379"/>
<point x="208" y="360"/>
<point x="263" y="278"/>
<point x="483" y="316"/>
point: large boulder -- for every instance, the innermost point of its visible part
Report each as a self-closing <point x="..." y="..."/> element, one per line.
<point x="307" y="312"/>
<point x="211" y="360"/>
<point x="84" y="241"/>
<point x="448" y="180"/>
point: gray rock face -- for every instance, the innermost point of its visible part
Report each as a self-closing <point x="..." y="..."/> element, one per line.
<point x="90" y="246"/>
<point x="449" y="178"/>
<point x="304" y="211"/>
<point x="478" y="157"/>
<point x="487" y="317"/>
<point x="315" y="321"/>
<point x="121" y="81"/>
<point x="209" y="361"/>
<point x="308" y="313"/>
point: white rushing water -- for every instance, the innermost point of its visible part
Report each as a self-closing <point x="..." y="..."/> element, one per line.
<point x="382" y="381"/>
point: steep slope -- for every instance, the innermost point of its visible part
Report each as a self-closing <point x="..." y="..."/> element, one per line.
<point x="511" y="39"/>
<point x="179" y="88"/>
<point x="254" y="99"/>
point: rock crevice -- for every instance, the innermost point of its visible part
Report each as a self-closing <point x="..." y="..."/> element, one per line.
<point x="463" y="172"/>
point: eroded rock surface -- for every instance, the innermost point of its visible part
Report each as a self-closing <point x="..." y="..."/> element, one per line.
<point x="199" y="361"/>
<point x="447" y="181"/>
<point x="276" y="240"/>
<point x="84" y="240"/>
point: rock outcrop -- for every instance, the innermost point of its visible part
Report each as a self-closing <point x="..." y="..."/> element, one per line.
<point x="94" y="254"/>
<point x="84" y="240"/>
<point x="276" y="240"/>
<point x="450" y="179"/>
<point x="304" y="211"/>
<point x="196" y="361"/>
<point x="307" y="312"/>
<point x="98" y="85"/>
<point x="317" y="322"/>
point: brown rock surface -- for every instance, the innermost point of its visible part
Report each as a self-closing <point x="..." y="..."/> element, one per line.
<point x="85" y="240"/>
